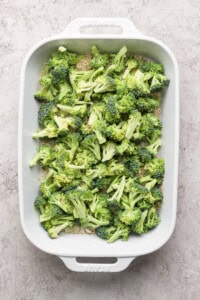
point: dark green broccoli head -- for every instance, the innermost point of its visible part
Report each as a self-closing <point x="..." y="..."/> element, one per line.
<point x="46" y="113"/>
<point x="159" y="83"/>
<point x="132" y="166"/>
<point x="40" y="203"/>
<point x="151" y="66"/>
<point x="101" y="183"/>
<point x="145" y="105"/>
<point x="59" y="75"/>
<point x="144" y="155"/>
<point x="44" y="95"/>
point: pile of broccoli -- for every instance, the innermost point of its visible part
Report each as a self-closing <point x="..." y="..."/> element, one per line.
<point x="99" y="139"/>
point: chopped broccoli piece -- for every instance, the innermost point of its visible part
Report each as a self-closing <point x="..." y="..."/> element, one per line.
<point x="140" y="227"/>
<point x="44" y="156"/>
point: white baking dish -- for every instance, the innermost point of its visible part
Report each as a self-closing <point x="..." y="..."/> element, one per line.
<point x="70" y="246"/>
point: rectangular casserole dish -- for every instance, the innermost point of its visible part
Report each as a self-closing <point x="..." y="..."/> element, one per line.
<point x="70" y="246"/>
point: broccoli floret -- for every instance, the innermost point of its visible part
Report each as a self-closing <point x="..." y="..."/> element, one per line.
<point x="105" y="232"/>
<point x="98" y="172"/>
<point x="64" y="124"/>
<point x="92" y="222"/>
<point x="119" y="191"/>
<point x="136" y="193"/>
<point x="61" y="200"/>
<point x="159" y="82"/>
<point x="153" y="148"/>
<point x="157" y="194"/>
<point x="50" y="211"/>
<point x="149" y="181"/>
<point x="139" y="83"/>
<point x="132" y="165"/>
<point x="49" y="131"/>
<point x="65" y="95"/>
<point x="40" y="203"/>
<point x="44" y="95"/>
<point x="47" y="189"/>
<point x="46" y="113"/>
<point x="113" y="233"/>
<point x="140" y="227"/>
<point x="148" y="125"/>
<point x="131" y="64"/>
<point x="44" y="156"/>
<point x="152" y="218"/>
<point x="98" y="59"/>
<point x="77" y="110"/>
<point x="59" y="75"/>
<point x="118" y="63"/>
<point x="144" y="204"/>
<point x="116" y="132"/>
<point x="114" y="168"/>
<point x="55" y="230"/>
<point x="145" y="155"/>
<point x="130" y="217"/>
<point x="146" y="105"/>
<point x="126" y="103"/>
<point x="91" y="143"/>
<point x="133" y="122"/>
<point x="76" y="76"/>
<point x="151" y="66"/>
<point x="109" y="150"/>
<point x="104" y="84"/>
<point x="156" y="169"/>
<point x="101" y="183"/>
<point x="72" y="141"/>
<point x="85" y="158"/>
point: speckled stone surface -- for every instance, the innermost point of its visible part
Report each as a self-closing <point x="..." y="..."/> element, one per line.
<point x="172" y="272"/>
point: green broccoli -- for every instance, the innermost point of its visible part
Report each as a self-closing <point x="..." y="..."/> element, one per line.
<point x="50" y="211"/>
<point x="118" y="63"/>
<point x="85" y="158"/>
<point x="133" y="122"/>
<point x="156" y="169"/>
<point x="159" y="82"/>
<point x="61" y="201"/>
<point x="104" y="84"/>
<point x="91" y="143"/>
<point x="98" y="59"/>
<point x="109" y="150"/>
<point x="49" y="131"/>
<point x="150" y="66"/>
<point x="152" y="218"/>
<point x="44" y="156"/>
<point x="40" y="203"/>
<point x="46" y="113"/>
<point x="145" y="105"/>
<point x="140" y="227"/>
<point x="55" y="230"/>
<point x="77" y="110"/>
<point x="130" y="217"/>
<point x="113" y="233"/>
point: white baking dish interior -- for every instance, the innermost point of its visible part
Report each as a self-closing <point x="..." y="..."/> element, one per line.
<point x="83" y="244"/>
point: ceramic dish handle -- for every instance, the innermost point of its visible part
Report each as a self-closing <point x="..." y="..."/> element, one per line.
<point x="121" y="264"/>
<point x="74" y="27"/>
